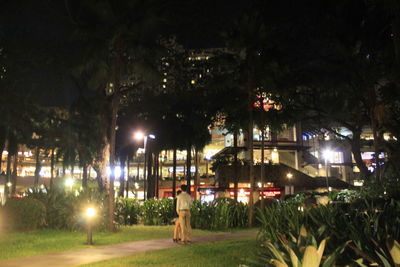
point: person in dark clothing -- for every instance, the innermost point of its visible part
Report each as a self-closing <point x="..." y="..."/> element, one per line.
<point x="177" y="228"/>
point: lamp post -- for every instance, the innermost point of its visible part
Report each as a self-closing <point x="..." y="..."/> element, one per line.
<point x="90" y="212"/>
<point x="141" y="136"/>
<point x="69" y="183"/>
<point x="289" y="176"/>
<point x="327" y="154"/>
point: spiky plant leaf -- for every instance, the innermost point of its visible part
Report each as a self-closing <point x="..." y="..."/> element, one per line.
<point x="310" y="257"/>
<point x="394" y="251"/>
<point x="275" y="251"/>
<point x="383" y="259"/>
<point x="277" y="263"/>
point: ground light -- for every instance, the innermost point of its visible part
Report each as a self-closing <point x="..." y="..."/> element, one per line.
<point x="90" y="213"/>
<point x="69" y="183"/>
<point x="327" y="154"/>
<point x="289" y="176"/>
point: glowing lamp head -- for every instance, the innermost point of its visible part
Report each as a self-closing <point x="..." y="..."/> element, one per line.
<point x="139" y="136"/>
<point x="327" y="154"/>
<point x="69" y="182"/>
<point x="9" y="184"/>
<point x="152" y="136"/>
<point x="289" y="175"/>
<point x="90" y="212"/>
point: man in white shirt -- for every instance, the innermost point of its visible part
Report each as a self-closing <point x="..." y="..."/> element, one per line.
<point x="183" y="204"/>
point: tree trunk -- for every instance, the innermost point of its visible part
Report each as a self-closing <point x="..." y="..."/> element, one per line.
<point x="128" y="163"/>
<point x="188" y="166"/>
<point x="196" y="174"/>
<point x="156" y="172"/>
<point x="14" y="174"/>
<point x="150" y="176"/>
<point x="3" y="138"/>
<point x="37" y="168"/>
<point x="122" y="177"/>
<point x="52" y="168"/>
<point x="262" y="167"/>
<point x="250" y="92"/>
<point x="235" y="164"/>
<point x="145" y="173"/>
<point x="174" y="174"/>
<point x="85" y="176"/>
<point x="355" y="143"/>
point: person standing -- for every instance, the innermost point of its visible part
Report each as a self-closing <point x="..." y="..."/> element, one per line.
<point x="177" y="228"/>
<point x="183" y="204"/>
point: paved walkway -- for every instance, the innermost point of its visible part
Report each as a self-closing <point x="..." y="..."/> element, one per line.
<point x="95" y="254"/>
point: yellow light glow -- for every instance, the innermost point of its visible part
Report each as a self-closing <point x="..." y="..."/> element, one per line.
<point x="9" y="184"/>
<point x="289" y="175"/>
<point x="193" y="82"/>
<point x="90" y="212"/>
<point x="139" y="135"/>
<point x="69" y="182"/>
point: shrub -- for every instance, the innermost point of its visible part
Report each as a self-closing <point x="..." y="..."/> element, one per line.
<point x="25" y="213"/>
<point x="222" y="213"/>
<point x="365" y="229"/>
<point x="65" y="210"/>
<point x="157" y="212"/>
<point x="128" y="211"/>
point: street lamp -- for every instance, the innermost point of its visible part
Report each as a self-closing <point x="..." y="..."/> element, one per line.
<point x="327" y="154"/>
<point x="139" y="135"/>
<point x="69" y="182"/>
<point x="90" y="212"/>
<point x="289" y="176"/>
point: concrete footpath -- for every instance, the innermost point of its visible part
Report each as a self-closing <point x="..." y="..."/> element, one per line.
<point x="101" y="253"/>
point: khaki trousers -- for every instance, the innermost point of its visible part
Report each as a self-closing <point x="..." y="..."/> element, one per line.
<point x="177" y="230"/>
<point x="186" y="229"/>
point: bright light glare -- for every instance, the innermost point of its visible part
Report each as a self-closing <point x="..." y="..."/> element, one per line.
<point x="289" y="175"/>
<point x="9" y="184"/>
<point x="327" y="154"/>
<point x="139" y="135"/>
<point x="90" y="212"/>
<point x="117" y="172"/>
<point x="152" y="136"/>
<point x="69" y="182"/>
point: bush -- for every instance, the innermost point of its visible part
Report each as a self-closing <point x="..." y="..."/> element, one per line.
<point x="25" y="213"/>
<point x="128" y="211"/>
<point x="65" y="210"/>
<point x="222" y="213"/>
<point x="157" y="212"/>
<point x="363" y="228"/>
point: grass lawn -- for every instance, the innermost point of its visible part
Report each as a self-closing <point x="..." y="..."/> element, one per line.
<point x="23" y="244"/>
<point x="223" y="253"/>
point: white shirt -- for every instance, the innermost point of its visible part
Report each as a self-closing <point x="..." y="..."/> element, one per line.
<point x="184" y="202"/>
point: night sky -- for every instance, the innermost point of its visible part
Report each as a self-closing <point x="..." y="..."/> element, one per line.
<point x="37" y="36"/>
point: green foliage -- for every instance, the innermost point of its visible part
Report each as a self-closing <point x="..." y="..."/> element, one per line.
<point x="302" y="249"/>
<point x="157" y="212"/>
<point x="128" y="211"/>
<point x="66" y="210"/>
<point x="365" y="229"/>
<point x="222" y="213"/>
<point x="387" y="188"/>
<point x="346" y="195"/>
<point x="25" y="213"/>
